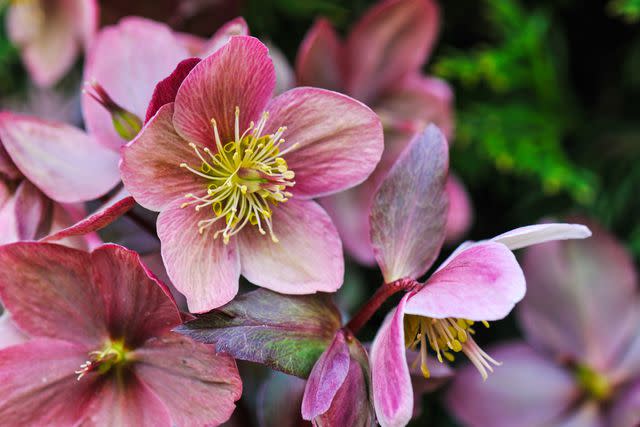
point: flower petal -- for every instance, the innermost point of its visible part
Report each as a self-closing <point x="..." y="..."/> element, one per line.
<point x="393" y="39"/>
<point x="150" y="164"/>
<point x="236" y="27"/>
<point x="409" y="211"/>
<point x="128" y="60"/>
<point x="166" y="90"/>
<point x="8" y="219"/>
<point x="9" y="333"/>
<point x="61" y="160"/>
<point x="7" y="167"/>
<point x="540" y="233"/>
<point x="587" y="415"/>
<point x="31" y="208"/>
<point x="308" y="257"/>
<point x="391" y="381"/>
<point x="482" y="282"/>
<point x="240" y="74"/>
<point x="202" y="268"/>
<point x="209" y="384"/>
<point x="625" y="412"/>
<point x="339" y="139"/>
<point x="285" y="77"/>
<point x="460" y="214"/>
<point x="319" y="59"/>
<point x="526" y="391"/>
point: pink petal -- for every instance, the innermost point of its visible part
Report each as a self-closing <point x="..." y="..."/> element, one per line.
<point x="339" y="139"/>
<point x="167" y="89"/>
<point x="482" y="282"/>
<point x="541" y="233"/>
<point x="285" y="77"/>
<point x="460" y="214"/>
<point x="240" y="74"/>
<point x="202" y="268"/>
<point x="150" y="164"/>
<point x="526" y="391"/>
<point x="208" y="383"/>
<point x="7" y="167"/>
<point x="61" y="160"/>
<point x="391" y="382"/>
<point x="31" y="207"/>
<point x="235" y="27"/>
<point x="409" y="211"/>
<point x="577" y="290"/>
<point x="627" y="365"/>
<point x="308" y="257"/>
<point x="128" y="60"/>
<point x="8" y="218"/>
<point x="319" y="59"/>
<point x="587" y="415"/>
<point x="64" y="216"/>
<point x="327" y="376"/>
<point x="625" y="411"/>
<point x="9" y="333"/>
<point x="393" y="39"/>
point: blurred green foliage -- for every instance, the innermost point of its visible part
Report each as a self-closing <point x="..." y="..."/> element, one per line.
<point x="630" y="9"/>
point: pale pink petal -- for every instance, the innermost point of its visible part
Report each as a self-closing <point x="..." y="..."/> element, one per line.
<point x="391" y="381"/>
<point x="409" y="211"/>
<point x="534" y="234"/>
<point x="627" y="364"/>
<point x="460" y="214"/>
<point x="285" y="77"/>
<point x="61" y="160"/>
<point x="326" y="377"/>
<point x="64" y="216"/>
<point x="235" y="27"/>
<point x="577" y="290"/>
<point x="9" y="333"/>
<point x="202" y="268"/>
<point x="197" y="386"/>
<point x="482" y="282"/>
<point x="339" y="140"/>
<point x="589" y="414"/>
<point x="240" y="74"/>
<point x="526" y="391"/>
<point x="31" y="208"/>
<point x="307" y="258"/>
<point x="392" y="40"/>
<point x="150" y="164"/>
<point x="625" y="412"/>
<point x="128" y="60"/>
<point x="166" y="90"/>
<point x="319" y="61"/>
<point x="8" y="218"/>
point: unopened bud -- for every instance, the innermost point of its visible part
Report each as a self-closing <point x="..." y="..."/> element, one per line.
<point x="126" y="124"/>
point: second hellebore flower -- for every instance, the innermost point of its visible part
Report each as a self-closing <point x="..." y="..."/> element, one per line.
<point x="233" y="172"/>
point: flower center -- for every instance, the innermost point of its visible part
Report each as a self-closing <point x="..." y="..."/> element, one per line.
<point x="112" y="354"/>
<point x="445" y="337"/>
<point x="244" y="179"/>
<point x="596" y="385"/>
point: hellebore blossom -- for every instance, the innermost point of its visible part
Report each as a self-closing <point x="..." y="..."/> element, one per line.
<point x="46" y="169"/>
<point x="581" y="365"/>
<point x="233" y="172"/>
<point x="50" y="34"/>
<point x="480" y="282"/>
<point x="100" y="351"/>
<point x="379" y="64"/>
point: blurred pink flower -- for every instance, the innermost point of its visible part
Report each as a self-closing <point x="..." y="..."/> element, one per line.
<point x="50" y="34"/>
<point x="581" y="365"/>
<point x="379" y="64"/>
<point x="100" y="351"/>
<point x="216" y="167"/>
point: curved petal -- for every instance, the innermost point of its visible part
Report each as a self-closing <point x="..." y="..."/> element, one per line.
<point x="587" y="415"/>
<point x="393" y="39"/>
<point x="235" y="27"/>
<point x="240" y="74"/>
<point x="31" y="208"/>
<point x="625" y="411"/>
<point x="460" y="214"/>
<point x="61" y="160"/>
<point x="577" y="290"/>
<point x="391" y="381"/>
<point x="339" y="140"/>
<point x="150" y="164"/>
<point x="285" y="77"/>
<point x="527" y="391"/>
<point x="540" y="233"/>
<point x="202" y="268"/>
<point x="9" y="333"/>
<point x="209" y="383"/>
<point x="128" y="60"/>
<point x="8" y="218"/>
<point x="482" y="282"/>
<point x="166" y="90"/>
<point x="308" y="257"/>
<point x="319" y="61"/>
<point x="7" y="168"/>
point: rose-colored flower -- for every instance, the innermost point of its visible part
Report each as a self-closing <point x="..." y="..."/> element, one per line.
<point x="581" y="365"/>
<point x="379" y="64"/>
<point x="233" y="172"/>
<point x="100" y="351"/>
<point x="50" y="34"/>
<point x="46" y="170"/>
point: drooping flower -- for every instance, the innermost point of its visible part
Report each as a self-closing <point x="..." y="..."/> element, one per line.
<point x="100" y="351"/>
<point x="50" y="34"/>
<point x="480" y="282"/>
<point x="379" y="64"/>
<point x="233" y="172"/>
<point x="581" y="362"/>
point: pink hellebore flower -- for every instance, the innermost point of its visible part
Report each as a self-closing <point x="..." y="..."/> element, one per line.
<point x="379" y="64"/>
<point x="46" y="170"/>
<point x="50" y="34"/>
<point x="100" y="351"/>
<point x="479" y="282"/>
<point x="233" y="195"/>
<point x="582" y="364"/>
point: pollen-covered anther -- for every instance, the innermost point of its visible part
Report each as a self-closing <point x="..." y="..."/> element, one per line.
<point x="102" y="361"/>
<point x="445" y="337"/>
<point x="242" y="180"/>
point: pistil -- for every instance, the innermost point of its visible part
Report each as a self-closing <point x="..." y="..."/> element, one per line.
<point x="102" y="361"/>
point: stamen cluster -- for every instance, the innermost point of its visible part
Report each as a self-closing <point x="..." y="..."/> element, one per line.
<point x="102" y="361"/>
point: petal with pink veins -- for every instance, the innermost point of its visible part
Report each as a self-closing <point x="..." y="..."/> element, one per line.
<point x="306" y="259"/>
<point x="540" y="233"/>
<point x="319" y="60"/>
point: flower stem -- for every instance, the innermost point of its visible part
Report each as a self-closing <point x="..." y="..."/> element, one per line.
<point x="382" y="294"/>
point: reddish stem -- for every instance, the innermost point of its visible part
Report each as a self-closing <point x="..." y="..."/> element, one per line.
<point x="382" y="294"/>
